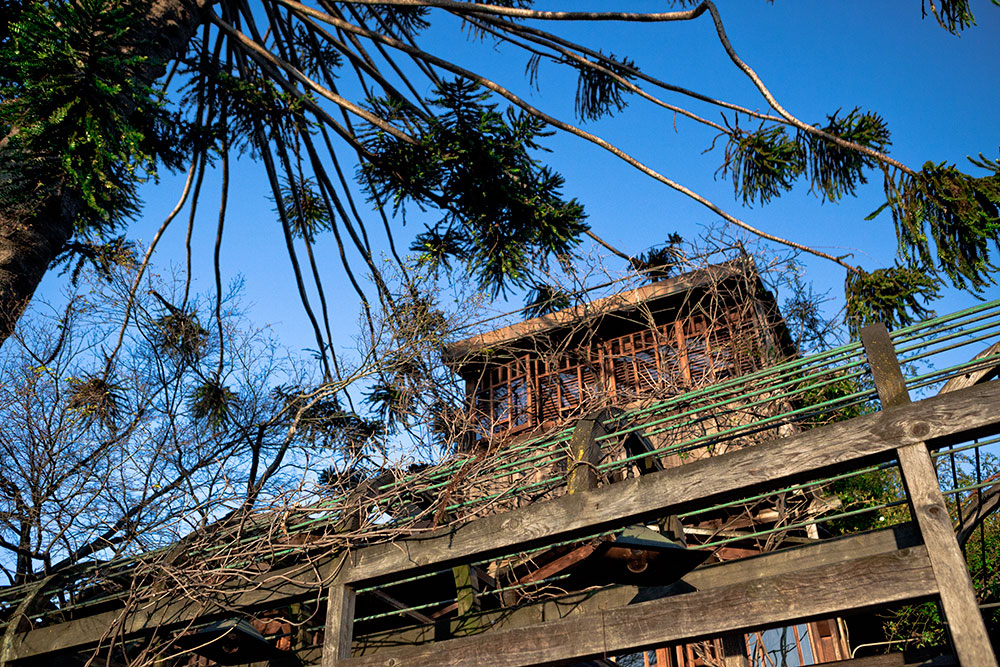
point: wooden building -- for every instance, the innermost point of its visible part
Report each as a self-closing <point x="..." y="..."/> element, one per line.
<point x="658" y="340"/>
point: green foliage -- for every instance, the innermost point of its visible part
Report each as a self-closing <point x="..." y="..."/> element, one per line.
<point x="836" y="171"/>
<point x="952" y="15"/>
<point x="244" y="103"/>
<point x="180" y="335"/>
<point x="503" y="213"/>
<point x="896" y="296"/>
<point x="435" y="247"/>
<point x="960" y="214"/>
<point x="324" y="422"/>
<point x="598" y="92"/>
<point x="544" y="299"/>
<point x="85" y="123"/>
<point x="762" y="164"/>
<point x="95" y="398"/>
<point x="766" y="162"/>
<point x="103" y="258"/>
<point x="390" y="402"/>
<point x="396" y="20"/>
<point x="304" y="208"/>
<point x="660" y="262"/>
<point x="212" y="403"/>
<point x="316" y="56"/>
<point x="917" y="626"/>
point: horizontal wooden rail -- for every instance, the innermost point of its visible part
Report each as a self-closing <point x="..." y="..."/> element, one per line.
<point x="781" y="599"/>
<point x="837" y="446"/>
<point x="731" y="573"/>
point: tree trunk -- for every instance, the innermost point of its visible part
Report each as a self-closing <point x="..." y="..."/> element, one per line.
<point x="31" y="239"/>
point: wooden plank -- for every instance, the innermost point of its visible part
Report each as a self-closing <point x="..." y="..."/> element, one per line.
<point x="466" y="587"/>
<point x="958" y="597"/>
<point x="978" y="373"/>
<point x="788" y="598"/>
<point x="828" y="449"/>
<point x="339" y="625"/>
<point x="745" y="571"/>
<point x="902" y="659"/>
<point x="401" y="606"/>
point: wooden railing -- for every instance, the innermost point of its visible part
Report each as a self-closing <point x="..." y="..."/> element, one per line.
<point x="828" y="578"/>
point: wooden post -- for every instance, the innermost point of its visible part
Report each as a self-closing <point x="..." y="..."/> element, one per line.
<point x="466" y="587"/>
<point x="585" y="453"/>
<point x="965" y="622"/>
<point x="339" y="624"/>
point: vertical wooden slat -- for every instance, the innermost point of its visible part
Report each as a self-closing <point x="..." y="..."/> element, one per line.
<point x="682" y="355"/>
<point x="339" y="625"/>
<point x="965" y="622"/>
<point x="734" y="650"/>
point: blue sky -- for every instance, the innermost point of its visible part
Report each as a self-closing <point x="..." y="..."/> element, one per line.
<point x="938" y="93"/>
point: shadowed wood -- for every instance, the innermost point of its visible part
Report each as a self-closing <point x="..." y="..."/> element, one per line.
<point x="905" y="659"/>
<point x="339" y="625"/>
<point x="585" y="453"/>
<point x="958" y="597"/>
<point x="784" y="599"/>
<point x="734" y="650"/>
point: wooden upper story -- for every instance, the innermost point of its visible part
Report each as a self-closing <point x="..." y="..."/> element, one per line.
<point x="653" y="341"/>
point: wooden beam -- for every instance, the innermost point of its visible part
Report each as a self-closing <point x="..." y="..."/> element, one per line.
<point x="958" y="597"/>
<point x="401" y="606"/>
<point x="978" y="373"/>
<point x="273" y="589"/>
<point x="734" y="650"/>
<point x="775" y="600"/>
<point x="833" y="447"/>
<point x="904" y="659"/>
<point x="744" y="571"/>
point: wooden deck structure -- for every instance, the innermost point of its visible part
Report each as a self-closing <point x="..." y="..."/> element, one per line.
<point x="916" y="561"/>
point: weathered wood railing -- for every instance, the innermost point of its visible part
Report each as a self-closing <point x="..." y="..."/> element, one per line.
<point x="904" y="563"/>
<point x="823" y="579"/>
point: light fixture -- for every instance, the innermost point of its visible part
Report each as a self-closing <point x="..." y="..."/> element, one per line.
<point x="641" y="556"/>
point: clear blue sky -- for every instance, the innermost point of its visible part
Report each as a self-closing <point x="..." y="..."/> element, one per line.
<point x="938" y="93"/>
